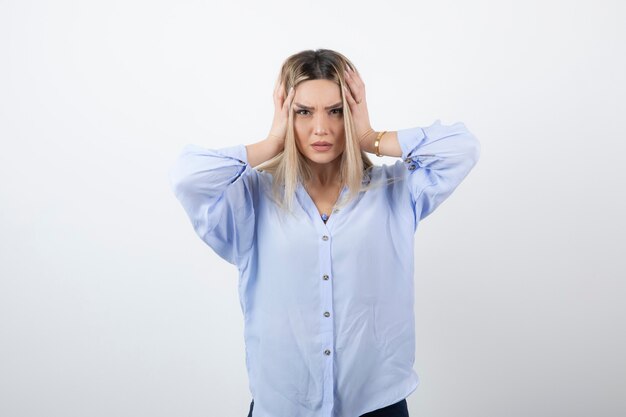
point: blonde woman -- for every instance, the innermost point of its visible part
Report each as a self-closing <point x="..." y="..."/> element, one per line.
<point x="323" y="240"/>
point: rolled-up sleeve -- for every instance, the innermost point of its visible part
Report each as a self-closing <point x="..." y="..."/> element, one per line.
<point x="216" y="187"/>
<point x="436" y="158"/>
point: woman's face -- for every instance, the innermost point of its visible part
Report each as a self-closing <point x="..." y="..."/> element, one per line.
<point x="318" y="117"/>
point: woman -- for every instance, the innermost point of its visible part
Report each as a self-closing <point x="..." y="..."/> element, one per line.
<point x="323" y="240"/>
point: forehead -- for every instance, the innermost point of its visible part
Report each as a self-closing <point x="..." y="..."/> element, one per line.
<point x="317" y="93"/>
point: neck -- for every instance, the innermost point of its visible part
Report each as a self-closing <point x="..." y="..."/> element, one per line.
<point x="325" y="175"/>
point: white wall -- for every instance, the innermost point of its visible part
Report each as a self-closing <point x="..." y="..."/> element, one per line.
<point x="110" y="305"/>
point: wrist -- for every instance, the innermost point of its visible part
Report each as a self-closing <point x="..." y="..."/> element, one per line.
<point x="275" y="141"/>
<point x="368" y="140"/>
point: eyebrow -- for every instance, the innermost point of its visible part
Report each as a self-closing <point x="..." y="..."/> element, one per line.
<point x="311" y="108"/>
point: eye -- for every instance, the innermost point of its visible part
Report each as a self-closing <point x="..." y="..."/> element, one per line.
<point x="338" y="110"/>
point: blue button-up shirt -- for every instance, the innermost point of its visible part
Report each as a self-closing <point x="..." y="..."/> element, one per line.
<point x="328" y="307"/>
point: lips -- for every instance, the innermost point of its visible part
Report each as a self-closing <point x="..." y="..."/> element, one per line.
<point x="322" y="146"/>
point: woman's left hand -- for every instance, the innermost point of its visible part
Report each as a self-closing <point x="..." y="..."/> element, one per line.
<point x="358" y="105"/>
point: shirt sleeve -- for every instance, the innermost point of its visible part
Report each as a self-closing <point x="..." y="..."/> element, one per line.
<point x="436" y="159"/>
<point x="216" y="187"/>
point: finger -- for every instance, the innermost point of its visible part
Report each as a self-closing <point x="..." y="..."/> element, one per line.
<point x="349" y="97"/>
<point x="277" y="97"/>
<point x="347" y="78"/>
<point x="292" y="95"/>
<point x="289" y="98"/>
<point x="355" y="77"/>
<point x="355" y="88"/>
<point x="353" y="72"/>
<point x="281" y="92"/>
<point x="285" y="101"/>
<point x="357" y="84"/>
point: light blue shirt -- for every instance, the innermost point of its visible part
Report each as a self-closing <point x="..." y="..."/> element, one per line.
<point x="328" y="307"/>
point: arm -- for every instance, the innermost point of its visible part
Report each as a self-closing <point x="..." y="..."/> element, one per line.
<point x="264" y="150"/>
<point x="435" y="160"/>
<point x="218" y="189"/>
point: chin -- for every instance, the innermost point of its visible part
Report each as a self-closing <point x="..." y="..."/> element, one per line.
<point x="322" y="158"/>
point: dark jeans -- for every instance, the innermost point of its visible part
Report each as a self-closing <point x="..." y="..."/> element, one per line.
<point x="398" y="409"/>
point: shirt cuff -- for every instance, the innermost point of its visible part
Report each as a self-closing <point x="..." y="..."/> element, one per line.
<point x="410" y="140"/>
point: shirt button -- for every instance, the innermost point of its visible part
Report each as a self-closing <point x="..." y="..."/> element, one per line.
<point x="325" y="277"/>
<point x="326" y="314"/>
<point x="411" y="167"/>
<point x="408" y="160"/>
<point x="324" y="237"/>
<point x="327" y="352"/>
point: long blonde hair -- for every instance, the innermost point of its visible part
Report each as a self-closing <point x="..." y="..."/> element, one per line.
<point x="290" y="167"/>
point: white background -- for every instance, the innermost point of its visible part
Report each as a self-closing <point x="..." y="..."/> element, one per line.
<point x="110" y="305"/>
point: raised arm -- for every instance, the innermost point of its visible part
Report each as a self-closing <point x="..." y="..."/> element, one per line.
<point x="435" y="160"/>
<point x="218" y="188"/>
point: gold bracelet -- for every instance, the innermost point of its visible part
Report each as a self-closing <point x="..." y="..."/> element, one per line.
<point x="377" y="142"/>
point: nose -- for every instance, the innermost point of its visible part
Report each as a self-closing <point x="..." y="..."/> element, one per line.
<point x="320" y="124"/>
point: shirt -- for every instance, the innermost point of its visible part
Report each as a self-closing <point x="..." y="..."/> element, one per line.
<point x="328" y="308"/>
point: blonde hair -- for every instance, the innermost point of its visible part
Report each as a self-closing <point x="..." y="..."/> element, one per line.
<point x="290" y="167"/>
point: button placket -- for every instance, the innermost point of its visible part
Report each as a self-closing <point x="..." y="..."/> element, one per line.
<point x="326" y="317"/>
<point x="326" y="332"/>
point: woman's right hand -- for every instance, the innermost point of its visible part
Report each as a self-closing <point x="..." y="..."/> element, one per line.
<point x="282" y="107"/>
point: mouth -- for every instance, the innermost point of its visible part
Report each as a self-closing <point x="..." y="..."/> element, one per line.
<point x="322" y="147"/>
